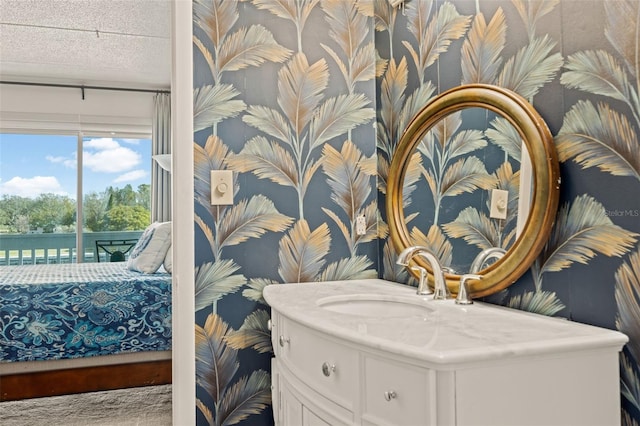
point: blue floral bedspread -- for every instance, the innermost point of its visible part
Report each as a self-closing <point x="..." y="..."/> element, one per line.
<point x="79" y="310"/>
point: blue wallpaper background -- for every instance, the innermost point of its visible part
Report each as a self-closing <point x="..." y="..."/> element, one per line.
<point x="308" y="117"/>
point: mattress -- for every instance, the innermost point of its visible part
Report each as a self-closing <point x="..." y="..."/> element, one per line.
<point x="69" y="311"/>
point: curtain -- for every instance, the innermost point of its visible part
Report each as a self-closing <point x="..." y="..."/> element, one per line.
<point x="161" y="145"/>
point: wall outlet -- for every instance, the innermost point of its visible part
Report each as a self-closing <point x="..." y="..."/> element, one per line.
<point x="221" y="187"/>
<point x="361" y="225"/>
<point x="499" y="202"/>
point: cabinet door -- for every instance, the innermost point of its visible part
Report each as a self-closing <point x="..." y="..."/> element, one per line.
<point x="397" y="394"/>
<point x="310" y="419"/>
<point x="291" y="408"/>
<point x="275" y="392"/>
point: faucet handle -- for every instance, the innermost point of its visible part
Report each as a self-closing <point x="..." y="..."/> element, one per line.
<point x="423" y="287"/>
<point x="463" y="292"/>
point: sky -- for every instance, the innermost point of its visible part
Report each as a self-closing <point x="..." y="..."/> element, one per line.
<point x="35" y="164"/>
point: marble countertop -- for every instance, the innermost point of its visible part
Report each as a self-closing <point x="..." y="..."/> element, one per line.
<point x="443" y="332"/>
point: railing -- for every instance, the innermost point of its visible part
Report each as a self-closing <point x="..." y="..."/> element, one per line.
<point x="26" y="249"/>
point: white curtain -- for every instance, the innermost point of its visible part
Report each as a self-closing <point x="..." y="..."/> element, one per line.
<point x="161" y="144"/>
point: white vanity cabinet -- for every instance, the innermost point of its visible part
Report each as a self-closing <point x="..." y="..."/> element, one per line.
<point x="478" y="365"/>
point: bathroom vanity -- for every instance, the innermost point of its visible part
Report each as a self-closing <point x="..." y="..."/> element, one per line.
<point x="372" y="352"/>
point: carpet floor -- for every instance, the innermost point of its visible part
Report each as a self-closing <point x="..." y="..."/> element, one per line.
<point x="145" y="406"/>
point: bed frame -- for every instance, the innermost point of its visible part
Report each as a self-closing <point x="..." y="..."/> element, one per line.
<point x="84" y="379"/>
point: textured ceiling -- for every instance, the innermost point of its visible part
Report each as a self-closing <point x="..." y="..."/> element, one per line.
<point x="92" y="42"/>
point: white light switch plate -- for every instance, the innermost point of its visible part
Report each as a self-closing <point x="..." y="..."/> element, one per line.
<point x="499" y="202"/>
<point x="221" y="187"/>
<point x="361" y="225"/>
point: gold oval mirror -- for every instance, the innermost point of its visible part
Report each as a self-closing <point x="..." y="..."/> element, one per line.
<point x="539" y="209"/>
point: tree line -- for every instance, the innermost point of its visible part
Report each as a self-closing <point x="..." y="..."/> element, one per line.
<point x="115" y="209"/>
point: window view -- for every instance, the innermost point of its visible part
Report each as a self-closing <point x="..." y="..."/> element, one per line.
<point x="39" y="176"/>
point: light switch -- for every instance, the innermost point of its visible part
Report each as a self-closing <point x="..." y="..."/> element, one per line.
<point x="221" y="187"/>
<point x="499" y="201"/>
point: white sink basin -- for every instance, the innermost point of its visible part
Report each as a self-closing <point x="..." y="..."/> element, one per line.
<point x="376" y="306"/>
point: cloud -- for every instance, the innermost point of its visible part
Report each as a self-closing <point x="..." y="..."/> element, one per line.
<point x="67" y="162"/>
<point x="101" y="144"/>
<point x="131" y="176"/>
<point x="102" y="155"/>
<point x="108" y="156"/>
<point x="32" y="187"/>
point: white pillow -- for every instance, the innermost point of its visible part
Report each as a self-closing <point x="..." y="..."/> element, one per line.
<point x="168" y="260"/>
<point x="151" y="249"/>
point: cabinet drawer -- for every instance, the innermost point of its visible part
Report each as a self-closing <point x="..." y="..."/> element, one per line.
<point x="323" y="364"/>
<point x="397" y="394"/>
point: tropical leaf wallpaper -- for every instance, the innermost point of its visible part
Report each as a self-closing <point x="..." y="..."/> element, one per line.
<point x="305" y="100"/>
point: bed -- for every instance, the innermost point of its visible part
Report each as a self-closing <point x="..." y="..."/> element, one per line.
<point x="70" y="328"/>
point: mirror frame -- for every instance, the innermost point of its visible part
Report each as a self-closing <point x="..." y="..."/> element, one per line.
<point x="546" y="180"/>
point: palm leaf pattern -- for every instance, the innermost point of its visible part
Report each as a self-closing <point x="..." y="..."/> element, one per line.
<point x="397" y="108"/>
<point x="392" y="271"/>
<point x="532" y="10"/>
<point x="415" y="171"/>
<point x="302" y="252"/>
<point x="246" y="397"/>
<point x="434" y="38"/>
<point x="501" y="133"/>
<point x="213" y="104"/>
<point x="348" y="27"/>
<point x="531" y="68"/>
<point x="482" y="48"/>
<point x="627" y="294"/>
<point x="350" y="268"/>
<point x="621" y="31"/>
<point x="232" y="49"/>
<point x="539" y="302"/>
<point x="581" y="231"/>
<point x="385" y="19"/>
<point x="392" y="96"/>
<point x="448" y="174"/>
<point x="255" y="287"/>
<point x="477" y="228"/>
<point x="216" y="365"/>
<point x="351" y="188"/>
<point x="296" y="11"/>
<point x="599" y="137"/>
<point x="237" y="223"/>
<point x="305" y="124"/>
<point x="215" y="280"/>
<point x="630" y="384"/>
<point x="253" y="333"/>
<point x="207" y="158"/>
<point x="246" y="47"/>
<point x="610" y="143"/>
<point x="598" y="72"/>
<point x="436" y="241"/>
<point x="250" y="219"/>
<point x="526" y="72"/>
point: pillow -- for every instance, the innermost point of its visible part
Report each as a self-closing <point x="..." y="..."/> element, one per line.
<point x="168" y="260"/>
<point x="151" y="249"/>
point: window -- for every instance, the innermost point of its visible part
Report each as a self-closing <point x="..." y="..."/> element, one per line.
<point x="42" y="177"/>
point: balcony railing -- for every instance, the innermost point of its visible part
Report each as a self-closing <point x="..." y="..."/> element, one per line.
<point x="30" y="249"/>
